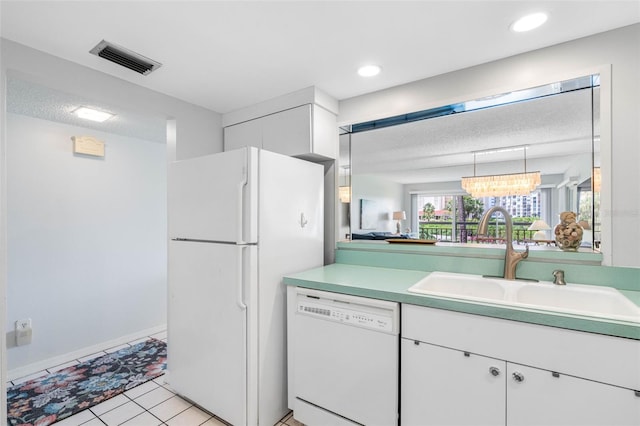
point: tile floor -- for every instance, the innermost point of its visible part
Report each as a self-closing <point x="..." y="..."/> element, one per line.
<point x="150" y="404"/>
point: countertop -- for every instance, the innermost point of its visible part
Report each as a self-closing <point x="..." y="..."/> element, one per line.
<point x="392" y="284"/>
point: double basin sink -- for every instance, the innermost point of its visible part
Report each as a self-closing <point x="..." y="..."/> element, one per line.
<point x="589" y="300"/>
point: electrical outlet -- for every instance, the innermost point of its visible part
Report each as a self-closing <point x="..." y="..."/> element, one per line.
<point x="24" y="332"/>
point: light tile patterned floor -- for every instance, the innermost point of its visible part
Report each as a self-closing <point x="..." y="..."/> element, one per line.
<point x="150" y="404"/>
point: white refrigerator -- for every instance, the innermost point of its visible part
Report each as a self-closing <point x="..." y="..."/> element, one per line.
<point x="238" y="221"/>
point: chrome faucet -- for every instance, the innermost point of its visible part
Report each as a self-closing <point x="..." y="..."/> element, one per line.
<point x="558" y="277"/>
<point x="511" y="257"/>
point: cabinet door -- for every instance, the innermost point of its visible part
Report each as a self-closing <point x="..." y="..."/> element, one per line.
<point x="539" y="397"/>
<point x="244" y="134"/>
<point x="325" y="133"/>
<point x="441" y="386"/>
<point x="288" y="132"/>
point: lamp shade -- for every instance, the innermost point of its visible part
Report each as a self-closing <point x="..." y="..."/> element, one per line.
<point x="399" y="215"/>
<point x="539" y="225"/>
<point x="344" y="193"/>
<point x="597" y="179"/>
<point x="585" y="225"/>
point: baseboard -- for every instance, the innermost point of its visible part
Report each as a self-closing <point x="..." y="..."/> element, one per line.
<point x="35" y="367"/>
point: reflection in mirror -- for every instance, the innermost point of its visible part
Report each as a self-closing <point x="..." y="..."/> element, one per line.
<point x="415" y="162"/>
<point x="344" y="185"/>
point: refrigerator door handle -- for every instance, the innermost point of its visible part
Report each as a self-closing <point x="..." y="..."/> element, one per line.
<point x="241" y="185"/>
<point x="241" y="279"/>
<point x="240" y="234"/>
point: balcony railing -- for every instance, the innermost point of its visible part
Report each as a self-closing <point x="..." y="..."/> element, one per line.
<point x="468" y="232"/>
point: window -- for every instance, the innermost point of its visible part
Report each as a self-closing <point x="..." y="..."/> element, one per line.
<point x="454" y="218"/>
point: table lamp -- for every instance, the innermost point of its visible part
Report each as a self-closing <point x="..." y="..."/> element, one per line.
<point x="540" y="226"/>
<point x="399" y="216"/>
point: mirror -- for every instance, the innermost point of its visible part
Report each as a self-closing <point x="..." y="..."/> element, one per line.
<point x="414" y="163"/>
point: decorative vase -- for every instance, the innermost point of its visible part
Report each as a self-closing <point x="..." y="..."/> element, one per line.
<point x="568" y="232"/>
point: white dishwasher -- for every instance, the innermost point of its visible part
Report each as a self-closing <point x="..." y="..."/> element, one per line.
<point x="343" y="355"/>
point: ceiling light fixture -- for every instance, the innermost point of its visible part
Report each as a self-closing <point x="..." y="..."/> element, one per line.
<point x="501" y="185"/>
<point x="344" y="191"/>
<point x="92" y="114"/>
<point x="529" y="22"/>
<point x="597" y="179"/>
<point x="369" y="70"/>
<point x="344" y="194"/>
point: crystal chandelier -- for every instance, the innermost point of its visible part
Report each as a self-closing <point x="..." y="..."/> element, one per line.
<point x="501" y="185"/>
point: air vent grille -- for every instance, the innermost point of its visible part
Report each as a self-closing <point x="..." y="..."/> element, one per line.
<point x="125" y="57"/>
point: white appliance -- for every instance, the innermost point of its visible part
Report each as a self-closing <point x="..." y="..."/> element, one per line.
<point x="343" y="359"/>
<point x="238" y="222"/>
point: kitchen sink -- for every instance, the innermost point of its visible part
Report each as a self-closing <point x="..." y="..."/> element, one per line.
<point x="589" y="300"/>
<point x="460" y="285"/>
<point x="604" y="301"/>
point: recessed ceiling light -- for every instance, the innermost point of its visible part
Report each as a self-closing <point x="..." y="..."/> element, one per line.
<point x="92" y="114"/>
<point x="529" y="22"/>
<point x="369" y="70"/>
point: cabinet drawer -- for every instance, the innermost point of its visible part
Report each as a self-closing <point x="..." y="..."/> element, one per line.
<point x="596" y="357"/>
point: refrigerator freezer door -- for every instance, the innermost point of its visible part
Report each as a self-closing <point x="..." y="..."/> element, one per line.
<point x="209" y="295"/>
<point x="214" y="197"/>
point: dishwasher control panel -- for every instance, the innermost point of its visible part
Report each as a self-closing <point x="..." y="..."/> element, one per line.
<point x="371" y="317"/>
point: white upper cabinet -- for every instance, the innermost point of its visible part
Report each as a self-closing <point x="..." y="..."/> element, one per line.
<point x="288" y="132"/>
<point x="302" y="124"/>
<point x="248" y="133"/>
<point x="306" y="130"/>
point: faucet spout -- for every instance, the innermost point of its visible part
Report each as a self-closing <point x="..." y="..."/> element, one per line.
<point x="511" y="256"/>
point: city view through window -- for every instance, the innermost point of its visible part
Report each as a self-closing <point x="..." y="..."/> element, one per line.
<point x="455" y="217"/>
<point x="412" y="175"/>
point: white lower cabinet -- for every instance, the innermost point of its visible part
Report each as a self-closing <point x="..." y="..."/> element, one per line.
<point x="441" y="386"/>
<point x="540" y="397"/>
<point x="462" y="369"/>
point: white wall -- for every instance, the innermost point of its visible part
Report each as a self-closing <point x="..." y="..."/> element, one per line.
<point x="387" y="197"/>
<point x="195" y="130"/>
<point x="198" y="130"/>
<point x="87" y="238"/>
<point x="616" y="52"/>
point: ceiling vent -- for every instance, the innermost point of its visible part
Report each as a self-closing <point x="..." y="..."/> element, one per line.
<point x="125" y="57"/>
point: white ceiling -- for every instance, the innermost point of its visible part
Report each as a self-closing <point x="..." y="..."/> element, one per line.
<point x="557" y="131"/>
<point x="225" y="55"/>
<point x="33" y="100"/>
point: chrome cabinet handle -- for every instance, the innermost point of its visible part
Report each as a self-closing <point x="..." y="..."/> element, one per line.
<point x="518" y="377"/>
<point x="495" y="371"/>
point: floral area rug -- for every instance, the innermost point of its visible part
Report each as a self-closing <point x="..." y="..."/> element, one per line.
<point x="48" y="399"/>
